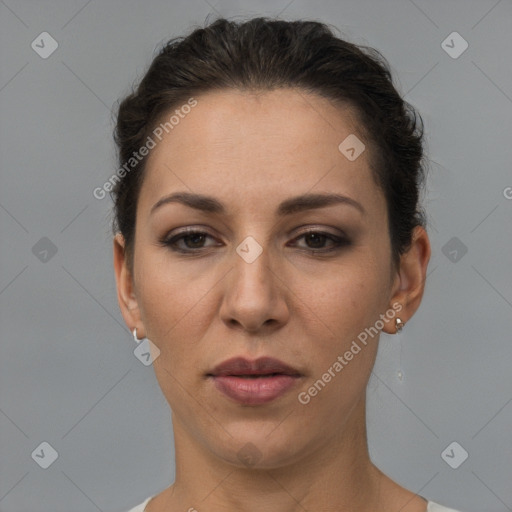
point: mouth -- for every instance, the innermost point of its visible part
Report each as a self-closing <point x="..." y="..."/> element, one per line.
<point x="261" y="367"/>
<point x="254" y="382"/>
<point x="255" y="376"/>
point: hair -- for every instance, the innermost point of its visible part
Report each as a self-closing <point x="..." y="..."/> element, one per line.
<point x="263" y="54"/>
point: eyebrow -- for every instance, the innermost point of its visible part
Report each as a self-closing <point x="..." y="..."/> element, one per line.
<point x="289" y="206"/>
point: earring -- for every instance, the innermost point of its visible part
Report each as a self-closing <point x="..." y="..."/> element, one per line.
<point x="399" y="325"/>
<point x="135" y="336"/>
<point x="146" y="351"/>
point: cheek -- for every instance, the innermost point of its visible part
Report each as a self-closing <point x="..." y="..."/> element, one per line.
<point x="175" y="305"/>
<point x="161" y="296"/>
<point x="349" y="304"/>
<point x="349" y="299"/>
<point x="342" y="352"/>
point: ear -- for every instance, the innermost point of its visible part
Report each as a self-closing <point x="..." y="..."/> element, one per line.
<point x="125" y="287"/>
<point x="409" y="283"/>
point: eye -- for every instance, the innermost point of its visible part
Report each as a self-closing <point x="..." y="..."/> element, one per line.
<point x="193" y="239"/>
<point x="316" y="240"/>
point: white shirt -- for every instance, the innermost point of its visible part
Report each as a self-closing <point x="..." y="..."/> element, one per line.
<point x="431" y="507"/>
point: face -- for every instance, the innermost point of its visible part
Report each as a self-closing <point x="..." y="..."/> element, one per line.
<point x="264" y="275"/>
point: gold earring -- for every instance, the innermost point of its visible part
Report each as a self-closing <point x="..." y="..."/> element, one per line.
<point x="399" y="325"/>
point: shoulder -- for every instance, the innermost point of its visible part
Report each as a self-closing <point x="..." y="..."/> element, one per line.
<point x="140" y="508"/>
<point x="435" y="507"/>
<point x="431" y="507"/>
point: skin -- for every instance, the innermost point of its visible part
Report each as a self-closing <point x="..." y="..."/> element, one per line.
<point x="251" y="152"/>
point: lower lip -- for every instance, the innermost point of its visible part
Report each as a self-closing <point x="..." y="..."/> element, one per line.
<point x="254" y="391"/>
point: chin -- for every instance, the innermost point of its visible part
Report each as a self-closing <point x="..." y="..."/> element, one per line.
<point x="256" y="449"/>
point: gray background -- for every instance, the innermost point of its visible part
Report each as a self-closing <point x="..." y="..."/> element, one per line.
<point x="68" y="375"/>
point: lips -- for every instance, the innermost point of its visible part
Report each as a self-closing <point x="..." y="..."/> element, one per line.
<point x="254" y="382"/>
<point x="240" y="367"/>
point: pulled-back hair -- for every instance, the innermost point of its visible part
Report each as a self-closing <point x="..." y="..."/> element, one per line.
<point x="263" y="54"/>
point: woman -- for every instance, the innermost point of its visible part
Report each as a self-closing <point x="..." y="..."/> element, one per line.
<point x="267" y="229"/>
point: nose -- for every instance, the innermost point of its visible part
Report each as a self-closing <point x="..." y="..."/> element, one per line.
<point x="254" y="296"/>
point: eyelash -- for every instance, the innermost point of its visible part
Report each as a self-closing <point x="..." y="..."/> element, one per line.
<point x="170" y="243"/>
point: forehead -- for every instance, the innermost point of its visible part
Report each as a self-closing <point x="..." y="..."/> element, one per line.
<point x="274" y="143"/>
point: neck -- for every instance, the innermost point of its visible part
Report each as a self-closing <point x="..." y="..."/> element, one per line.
<point x="336" y="475"/>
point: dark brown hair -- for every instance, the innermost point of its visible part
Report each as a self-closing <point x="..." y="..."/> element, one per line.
<point x="264" y="54"/>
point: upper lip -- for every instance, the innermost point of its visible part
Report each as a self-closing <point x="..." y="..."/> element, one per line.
<point x="261" y="366"/>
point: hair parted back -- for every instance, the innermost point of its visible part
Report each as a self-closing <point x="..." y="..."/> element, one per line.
<point x="263" y="54"/>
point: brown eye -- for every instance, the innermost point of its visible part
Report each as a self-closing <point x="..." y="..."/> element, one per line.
<point x="316" y="240"/>
<point x="192" y="241"/>
<point x="196" y="240"/>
